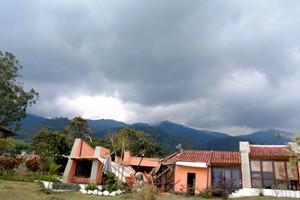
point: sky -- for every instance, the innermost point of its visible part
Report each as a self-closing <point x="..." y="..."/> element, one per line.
<point x="230" y="66"/>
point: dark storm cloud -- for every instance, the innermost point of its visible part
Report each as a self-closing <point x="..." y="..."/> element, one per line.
<point x="209" y="64"/>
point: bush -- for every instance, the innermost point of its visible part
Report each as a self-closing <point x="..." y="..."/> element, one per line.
<point x="91" y="186"/>
<point x="33" y="164"/>
<point x="146" y="192"/>
<point x="10" y="163"/>
<point x="206" y="193"/>
<point x="110" y="181"/>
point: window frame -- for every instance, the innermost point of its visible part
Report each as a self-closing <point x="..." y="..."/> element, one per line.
<point x="287" y="179"/>
<point x="231" y="173"/>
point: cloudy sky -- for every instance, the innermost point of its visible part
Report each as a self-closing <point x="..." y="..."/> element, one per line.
<point x="231" y="66"/>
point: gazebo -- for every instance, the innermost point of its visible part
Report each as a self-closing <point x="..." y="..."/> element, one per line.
<point x="4" y="133"/>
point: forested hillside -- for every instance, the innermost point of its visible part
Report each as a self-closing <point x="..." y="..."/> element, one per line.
<point x="168" y="134"/>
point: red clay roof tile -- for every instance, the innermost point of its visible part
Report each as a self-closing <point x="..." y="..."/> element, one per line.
<point x="210" y="157"/>
<point x="270" y="150"/>
<point x="194" y="156"/>
<point x="226" y="157"/>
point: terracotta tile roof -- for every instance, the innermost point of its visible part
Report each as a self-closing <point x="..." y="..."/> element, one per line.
<point x="225" y="157"/>
<point x="210" y="157"/>
<point x="270" y="150"/>
<point x="194" y="156"/>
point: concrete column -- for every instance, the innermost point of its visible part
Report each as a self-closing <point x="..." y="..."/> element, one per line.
<point x="70" y="161"/>
<point x="94" y="170"/>
<point x="246" y="177"/>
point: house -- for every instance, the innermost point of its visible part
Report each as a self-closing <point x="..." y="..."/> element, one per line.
<point x="85" y="163"/>
<point x="190" y="171"/>
<point x="269" y="166"/>
<point x="266" y="166"/>
<point x="197" y="170"/>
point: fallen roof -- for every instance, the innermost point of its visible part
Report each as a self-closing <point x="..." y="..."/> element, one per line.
<point x="4" y="132"/>
<point x="270" y="150"/>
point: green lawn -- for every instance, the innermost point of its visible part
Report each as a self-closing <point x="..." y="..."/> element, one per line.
<point x="13" y="190"/>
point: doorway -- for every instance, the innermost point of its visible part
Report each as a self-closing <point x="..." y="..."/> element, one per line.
<point x="191" y="183"/>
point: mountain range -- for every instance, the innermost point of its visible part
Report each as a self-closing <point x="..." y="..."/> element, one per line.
<point x="166" y="133"/>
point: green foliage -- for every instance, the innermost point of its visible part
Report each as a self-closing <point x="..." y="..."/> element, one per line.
<point x="79" y="128"/>
<point x="15" y="146"/>
<point x="137" y="142"/>
<point x="47" y="144"/>
<point x="110" y="181"/>
<point x="52" y="167"/>
<point x="24" y="176"/>
<point x="91" y="186"/>
<point x="5" y="144"/>
<point x="13" y="99"/>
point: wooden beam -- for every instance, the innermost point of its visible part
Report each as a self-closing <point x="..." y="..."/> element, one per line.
<point x="168" y="177"/>
<point x="163" y="172"/>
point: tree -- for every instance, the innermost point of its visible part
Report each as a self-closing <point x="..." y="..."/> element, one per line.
<point x="79" y="128"/>
<point x="137" y="142"/>
<point x="52" y="144"/>
<point x="14" y="100"/>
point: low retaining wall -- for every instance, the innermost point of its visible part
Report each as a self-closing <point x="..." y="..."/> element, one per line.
<point x="248" y="192"/>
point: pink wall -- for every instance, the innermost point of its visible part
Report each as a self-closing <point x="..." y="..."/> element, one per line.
<point x="72" y="172"/>
<point x="87" y="150"/>
<point x="127" y="157"/>
<point x="181" y="176"/>
<point x="104" y="152"/>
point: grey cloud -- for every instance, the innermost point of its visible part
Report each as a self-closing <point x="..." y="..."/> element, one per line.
<point x="169" y="54"/>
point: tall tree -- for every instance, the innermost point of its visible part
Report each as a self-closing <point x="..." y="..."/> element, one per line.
<point x="79" y="128"/>
<point x="14" y="100"/>
<point x="137" y="142"/>
<point x="52" y="144"/>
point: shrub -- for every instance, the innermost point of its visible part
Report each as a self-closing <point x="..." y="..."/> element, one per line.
<point x="146" y="192"/>
<point x="10" y="163"/>
<point x="33" y="164"/>
<point x="91" y="186"/>
<point x="110" y="181"/>
<point x="206" y="193"/>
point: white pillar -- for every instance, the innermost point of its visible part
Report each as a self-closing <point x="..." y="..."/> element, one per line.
<point x="70" y="161"/>
<point x="93" y="176"/>
<point x="246" y="176"/>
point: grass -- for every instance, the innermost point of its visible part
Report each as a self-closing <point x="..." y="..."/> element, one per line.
<point x="15" y="190"/>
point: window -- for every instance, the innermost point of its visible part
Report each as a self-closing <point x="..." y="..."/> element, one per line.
<point x="273" y="174"/>
<point x="226" y="175"/>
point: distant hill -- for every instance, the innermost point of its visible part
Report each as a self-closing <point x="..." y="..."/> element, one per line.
<point x="224" y="144"/>
<point x="195" y="135"/>
<point x="166" y="133"/>
<point x="31" y="119"/>
<point x="103" y="125"/>
<point x="266" y="137"/>
<point x="29" y="131"/>
<point x="168" y="141"/>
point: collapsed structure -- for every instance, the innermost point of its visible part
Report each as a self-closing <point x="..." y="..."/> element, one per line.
<point x="191" y="171"/>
